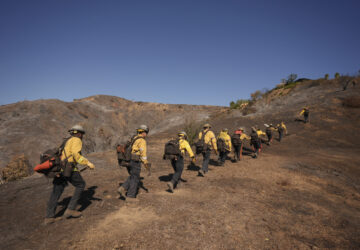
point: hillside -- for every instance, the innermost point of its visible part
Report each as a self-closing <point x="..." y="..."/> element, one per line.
<point x="301" y="193"/>
<point x="31" y="127"/>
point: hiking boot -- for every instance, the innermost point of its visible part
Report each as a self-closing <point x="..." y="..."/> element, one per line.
<point x="201" y="172"/>
<point x="72" y="213"/>
<point x="171" y="187"/>
<point x="121" y="190"/>
<point x="49" y="221"/>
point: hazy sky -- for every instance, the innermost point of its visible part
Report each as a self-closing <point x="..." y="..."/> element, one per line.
<point x="184" y="51"/>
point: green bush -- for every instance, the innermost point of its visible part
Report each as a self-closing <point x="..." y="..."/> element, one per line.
<point x="192" y="129"/>
<point x="290" y="85"/>
<point x="238" y="104"/>
<point x="326" y="77"/>
<point x="337" y="75"/>
<point x="291" y="78"/>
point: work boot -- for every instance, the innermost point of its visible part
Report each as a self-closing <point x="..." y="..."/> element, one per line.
<point x="49" y="221"/>
<point x="171" y="187"/>
<point x="121" y="190"/>
<point x="72" y="213"/>
<point x="201" y="172"/>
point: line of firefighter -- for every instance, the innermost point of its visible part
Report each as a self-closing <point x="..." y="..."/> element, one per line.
<point x="222" y="146"/>
<point x="129" y="189"/>
<point x="71" y="154"/>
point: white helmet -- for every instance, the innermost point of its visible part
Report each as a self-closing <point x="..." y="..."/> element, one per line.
<point x="182" y="133"/>
<point x="77" y="129"/>
<point x="143" y="128"/>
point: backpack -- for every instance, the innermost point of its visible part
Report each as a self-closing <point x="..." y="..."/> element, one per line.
<point x="124" y="151"/>
<point x="268" y="131"/>
<point x="50" y="161"/>
<point x="200" y="144"/>
<point x="281" y="129"/>
<point x="235" y="140"/>
<point x="171" y="150"/>
<point x="254" y="138"/>
<point x="306" y="112"/>
<point x="221" y="145"/>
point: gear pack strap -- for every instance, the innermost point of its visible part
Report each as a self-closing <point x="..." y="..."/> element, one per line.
<point x="134" y="140"/>
<point x="203" y="135"/>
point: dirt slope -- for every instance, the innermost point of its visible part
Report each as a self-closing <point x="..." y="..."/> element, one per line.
<point x="31" y="127"/>
<point x="302" y="193"/>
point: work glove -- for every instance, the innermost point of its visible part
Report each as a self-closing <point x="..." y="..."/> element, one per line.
<point x="147" y="166"/>
<point x="216" y="152"/>
<point x="193" y="160"/>
<point x="91" y="166"/>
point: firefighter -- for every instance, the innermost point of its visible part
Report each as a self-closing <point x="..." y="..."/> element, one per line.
<point x="305" y="111"/>
<point x="178" y="162"/>
<point x="128" y="190"/>
<point x="224" y="139"/>
<point x="72" y="155"/>
<point x="210" y="144"/>
<point x="237" y="141"/>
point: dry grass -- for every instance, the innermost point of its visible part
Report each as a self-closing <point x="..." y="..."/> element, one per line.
<point x="19" y="167"/>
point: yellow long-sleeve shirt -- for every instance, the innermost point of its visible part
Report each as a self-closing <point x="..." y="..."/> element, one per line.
<point x="272" y="129"/>
<point x="72" y="151"/>
<point x="209" y="139"/>
<point x="226" y="137"/>
<point x="260" y="132"/>
<point x="284" y="127"/>
<point x="244" y="136"/>
<point x="139" y="148"/>
<point x="184" y="147"/>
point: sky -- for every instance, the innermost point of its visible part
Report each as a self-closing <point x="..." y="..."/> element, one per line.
<point x="172" y="51"/>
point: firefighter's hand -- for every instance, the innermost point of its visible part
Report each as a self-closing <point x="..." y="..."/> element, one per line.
<point x="147" y="165"/>
<point x="148" y="168"/>
<point x="216" y="152"/>
<point x="91" y="166"/>
<point x="193" y="160"/>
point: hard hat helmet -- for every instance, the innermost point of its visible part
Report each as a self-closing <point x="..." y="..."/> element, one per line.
<point x="182" y="133"/>
<point x="225" y="130"/>
<point x="241" y="128"/>
<point x="207" y="125"/>
<point x="77" y="129"/>
<point x="143" y="128"/>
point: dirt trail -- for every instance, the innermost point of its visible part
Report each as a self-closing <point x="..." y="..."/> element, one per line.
<point x="270" y="202"/>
